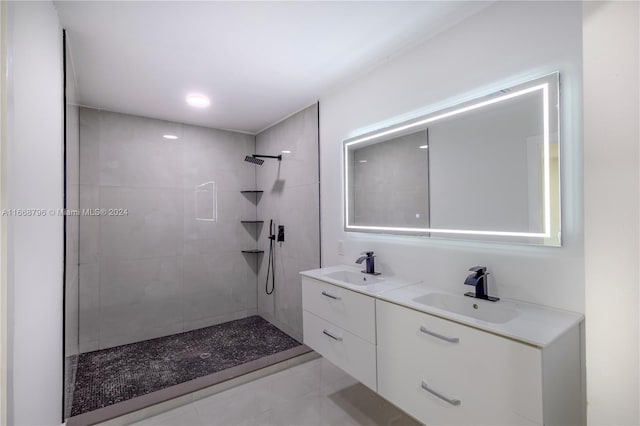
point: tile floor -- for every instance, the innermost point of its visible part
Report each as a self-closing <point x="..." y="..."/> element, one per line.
<point x="311" y="394"/>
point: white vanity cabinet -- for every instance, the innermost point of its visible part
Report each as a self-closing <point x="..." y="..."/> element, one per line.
<point x="442" y="372"/>
<point x="339" y="324"/>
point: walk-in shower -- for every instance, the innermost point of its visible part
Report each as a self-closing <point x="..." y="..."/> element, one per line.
<point x="165" y="298"/>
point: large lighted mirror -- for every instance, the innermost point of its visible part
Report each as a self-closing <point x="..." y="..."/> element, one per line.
<point x="485" y="169"/>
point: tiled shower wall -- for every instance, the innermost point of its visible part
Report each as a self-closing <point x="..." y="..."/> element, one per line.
<point x="291" y="198"/>
<point x="72" y="202"/>
<point x="158" y="270"/>
<point x="72" y="227"/>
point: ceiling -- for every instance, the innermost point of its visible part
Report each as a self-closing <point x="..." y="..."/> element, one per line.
<point x="258" y="61"/>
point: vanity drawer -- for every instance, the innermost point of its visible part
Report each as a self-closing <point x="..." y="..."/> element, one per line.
<point x="496" y="380"/>
<point x="347" y="309"/>
<point x="344" y="349"/>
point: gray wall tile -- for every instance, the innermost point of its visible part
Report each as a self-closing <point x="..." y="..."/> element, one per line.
<point x="134" y="153"/>
<point x="218" y="155"/>
<point x="89" y="304"/>
<point x="89" y="225"/>
<point x="140" y="299"/>
<point x="209" y="321"/>
<point x="72" y="223"/>
<point x="217" y="284"/>
<point x="72" y="235"/>
<point x="232" y="207"/>
<point x="89" y="146"/>
<point x="158" y="270"/>
<point x="291" y="198"/>
<point x="72" y="316"/>
<point x="152" y="228"/>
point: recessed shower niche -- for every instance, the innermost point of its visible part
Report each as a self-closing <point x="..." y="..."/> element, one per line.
<point x="253" y="226"/>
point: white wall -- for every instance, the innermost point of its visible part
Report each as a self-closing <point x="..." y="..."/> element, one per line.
<point x="3" y="222"/>
<point x="34" y="179"/>
<point x="612" y="185"/>
<point x="504" y="44"/>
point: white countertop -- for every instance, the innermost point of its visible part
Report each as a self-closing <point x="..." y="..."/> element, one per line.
<point x="536" y="325"/>
<point x="381" y="283"/>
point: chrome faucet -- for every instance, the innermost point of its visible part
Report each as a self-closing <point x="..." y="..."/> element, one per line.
<point x="479" y="280"/>
<point x="370" y="267"/>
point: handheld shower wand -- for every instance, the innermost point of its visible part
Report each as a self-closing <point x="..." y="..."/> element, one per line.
<point x="271" y="262"/>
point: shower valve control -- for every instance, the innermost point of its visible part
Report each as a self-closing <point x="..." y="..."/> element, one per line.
<point x="280" y="233"/>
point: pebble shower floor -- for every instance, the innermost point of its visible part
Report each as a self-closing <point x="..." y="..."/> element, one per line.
<point x="113" y="375"/>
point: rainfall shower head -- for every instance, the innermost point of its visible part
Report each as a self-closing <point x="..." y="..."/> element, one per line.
<point x="251" y="159"/>
<point x="255" y="158"/>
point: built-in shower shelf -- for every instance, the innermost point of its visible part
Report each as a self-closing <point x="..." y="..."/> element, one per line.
<point x="252" y="221"/>
<point x="251" y="192"/>
<point x="254" y="251"/>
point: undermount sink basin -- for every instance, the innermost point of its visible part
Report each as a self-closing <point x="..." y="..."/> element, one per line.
<point x="355" y="278"/>
<point x="475" y="308"/>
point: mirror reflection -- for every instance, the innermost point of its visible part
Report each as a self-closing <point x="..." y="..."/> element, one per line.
<point x="390" y="174"/>
<point x="484" y="169"/>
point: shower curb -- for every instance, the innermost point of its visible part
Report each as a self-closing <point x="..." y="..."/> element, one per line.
<point x="157" y="402"/>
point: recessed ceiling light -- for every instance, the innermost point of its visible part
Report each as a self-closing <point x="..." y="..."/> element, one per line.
<point x="170" y="136"/>
<point x="198" y="101"/>
<point x="286" y="152"/>
<point x="423" y="146"/>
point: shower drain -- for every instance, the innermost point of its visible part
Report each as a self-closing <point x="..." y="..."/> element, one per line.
<point x="205" y="355"/>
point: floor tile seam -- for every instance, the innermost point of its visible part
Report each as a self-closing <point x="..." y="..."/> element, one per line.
<point x="295" y="398"/>
<point x="266" y="410"/>
<point x="154" y="420"/>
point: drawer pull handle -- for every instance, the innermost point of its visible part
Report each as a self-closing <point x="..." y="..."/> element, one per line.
<point x="339" y="339"/>
<point x="424" y="330"/>
<point x="331" y="296"/>
<point x="451" y="401"/>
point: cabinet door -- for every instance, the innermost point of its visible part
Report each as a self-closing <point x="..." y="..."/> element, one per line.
<point x="442" y="372"/>
<point x="344" y="349"/>
<point x="347" y="309"/>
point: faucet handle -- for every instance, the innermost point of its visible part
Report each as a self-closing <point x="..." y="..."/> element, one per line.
<point x="479" y="270"/>
<point x="368" y="253"/>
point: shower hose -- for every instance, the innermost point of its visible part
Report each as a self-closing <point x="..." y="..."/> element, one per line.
<point x="271" y="263"/>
